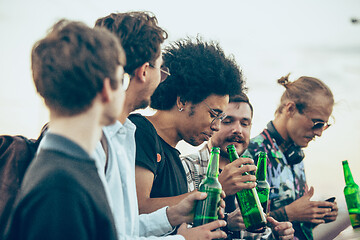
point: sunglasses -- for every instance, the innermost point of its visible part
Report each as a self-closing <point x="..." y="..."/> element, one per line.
<point x="164" y="71"/>
<point x="218" y="116"/>
<point x="318" y="124"/>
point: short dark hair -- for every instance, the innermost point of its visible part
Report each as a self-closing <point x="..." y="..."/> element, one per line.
<point x="139" y="34"/>
<point x="198" y="70"/>
<point x="70" y="64"/>
<point x="241" y="97"/>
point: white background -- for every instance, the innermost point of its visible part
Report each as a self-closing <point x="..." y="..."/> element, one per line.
<point x="268" y="39"/>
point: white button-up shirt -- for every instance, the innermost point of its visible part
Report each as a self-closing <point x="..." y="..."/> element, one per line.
<point x="119" y="183"/>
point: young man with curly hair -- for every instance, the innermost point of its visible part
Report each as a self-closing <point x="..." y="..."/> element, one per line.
<point x="190" y="105"/>
<point x="141" y="38"/>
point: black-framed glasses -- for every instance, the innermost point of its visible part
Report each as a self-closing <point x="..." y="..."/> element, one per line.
<point x="125" y="81"/>
<point x="218" y="116"/>
<point x="164" y="71"/>
<point x="317" y="124"/>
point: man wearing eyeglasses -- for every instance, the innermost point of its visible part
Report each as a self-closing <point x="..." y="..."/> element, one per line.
<point x="141" y="39"/>
<point x="235" y="129"/>
<point x="303" y="114"/>
<point x="190" y="105"/>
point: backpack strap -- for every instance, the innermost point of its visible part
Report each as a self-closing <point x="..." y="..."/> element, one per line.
<point x="104" y="144"/>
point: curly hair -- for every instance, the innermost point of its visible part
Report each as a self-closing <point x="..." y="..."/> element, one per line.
<point x="70" y="64"/>
<point x="302" y="92"/>
<point x="198" y="70"/>
<point x="139" y="34"/>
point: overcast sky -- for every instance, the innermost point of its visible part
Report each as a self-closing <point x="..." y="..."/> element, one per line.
<point x="267" y="38"/>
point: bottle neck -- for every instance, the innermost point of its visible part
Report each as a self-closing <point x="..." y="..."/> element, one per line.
<point x="347" y="174"/>
<point x="232" y="154"/>
<point x="213" y="167"/>
<point x="261" y="167"/>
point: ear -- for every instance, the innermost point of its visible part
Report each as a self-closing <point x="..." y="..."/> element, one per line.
<point x="290" y="109"/>
<point x="107" y="91"/>
<point x="180" y="104"/>
<point x="141" y="72"/>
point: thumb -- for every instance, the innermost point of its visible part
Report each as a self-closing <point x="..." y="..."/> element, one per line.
<point x="310" y="193"/>
<point x="183" y="226"/>
<point x="272" y="221"/>
<point x="197" y="195"/>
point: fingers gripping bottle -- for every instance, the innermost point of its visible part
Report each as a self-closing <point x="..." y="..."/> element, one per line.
<point x="207" y="210"/>
<point x="352" y="196"/>
<point x="262" y="186"/>
<point x="249" y="203"/>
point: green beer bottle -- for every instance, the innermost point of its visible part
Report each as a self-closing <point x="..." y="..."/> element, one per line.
<point x="207" y="210"/>
<point x="352" y="196"/>
<point x="249" y="203"/>
<point x="262" y="186"/>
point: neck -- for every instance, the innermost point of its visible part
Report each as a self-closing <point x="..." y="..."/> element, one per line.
<point x="83" y="129"/>
<point x="165" y="124"/>
<point x="280" y="126"/>
<point x="129" y="106"/>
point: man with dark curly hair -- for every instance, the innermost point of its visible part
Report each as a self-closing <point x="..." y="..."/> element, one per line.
<point x="141" y="39"/>
<point x="190" y="105"/>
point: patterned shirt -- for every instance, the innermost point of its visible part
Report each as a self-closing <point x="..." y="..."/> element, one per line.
<point x="287" y="182"/>
<point x="195" y="166"/>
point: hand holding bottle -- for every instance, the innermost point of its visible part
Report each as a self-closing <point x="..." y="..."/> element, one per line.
<point x="232" y="179"/>
<point x="205" y="231"/>
<point x="183" y="212"/>
<point x="282" y="230"/>
<point x="235" y="222"/>
<point x="304" y="210"/>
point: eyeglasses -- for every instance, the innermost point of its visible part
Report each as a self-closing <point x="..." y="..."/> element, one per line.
<point x="218" y="116"/>
<point x="317" y="124"/>
<point x="125" y="81"/>
<point x="165" y="71"/>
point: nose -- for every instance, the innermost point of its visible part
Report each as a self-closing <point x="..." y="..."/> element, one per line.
<point x="237" y="128"/>
<point x="215" y="125"/>
<point x="318" y="132"/>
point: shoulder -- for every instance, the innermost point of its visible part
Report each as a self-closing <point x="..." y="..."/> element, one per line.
<point x="139" y="120"/>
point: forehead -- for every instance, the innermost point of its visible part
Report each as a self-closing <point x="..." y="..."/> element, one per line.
<point x="321" y="107"/>
<point x="159" y="60"/>
<point x="217" y="102"/>
<point x="238" y="110"/>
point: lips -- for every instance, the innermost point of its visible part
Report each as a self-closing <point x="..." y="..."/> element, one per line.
<point x="207" y="136"/>
<point x="235" y="139"/>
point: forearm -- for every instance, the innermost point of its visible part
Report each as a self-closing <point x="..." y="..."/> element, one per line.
<point x="149" y="205"/>
<point x="280" y="215"/>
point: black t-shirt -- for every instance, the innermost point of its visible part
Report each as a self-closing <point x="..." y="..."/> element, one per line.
<point x="154" y="154"/>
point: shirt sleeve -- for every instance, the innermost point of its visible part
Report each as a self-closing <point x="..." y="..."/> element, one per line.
<point x="155" y="223"/>
<point x="146" y="144"/>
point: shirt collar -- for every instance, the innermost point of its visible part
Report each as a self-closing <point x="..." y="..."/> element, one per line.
<point x="117" y="127"/>
<point x="60" y="143"/>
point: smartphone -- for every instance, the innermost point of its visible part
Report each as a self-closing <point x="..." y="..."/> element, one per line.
<point x="331" y="199"/>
